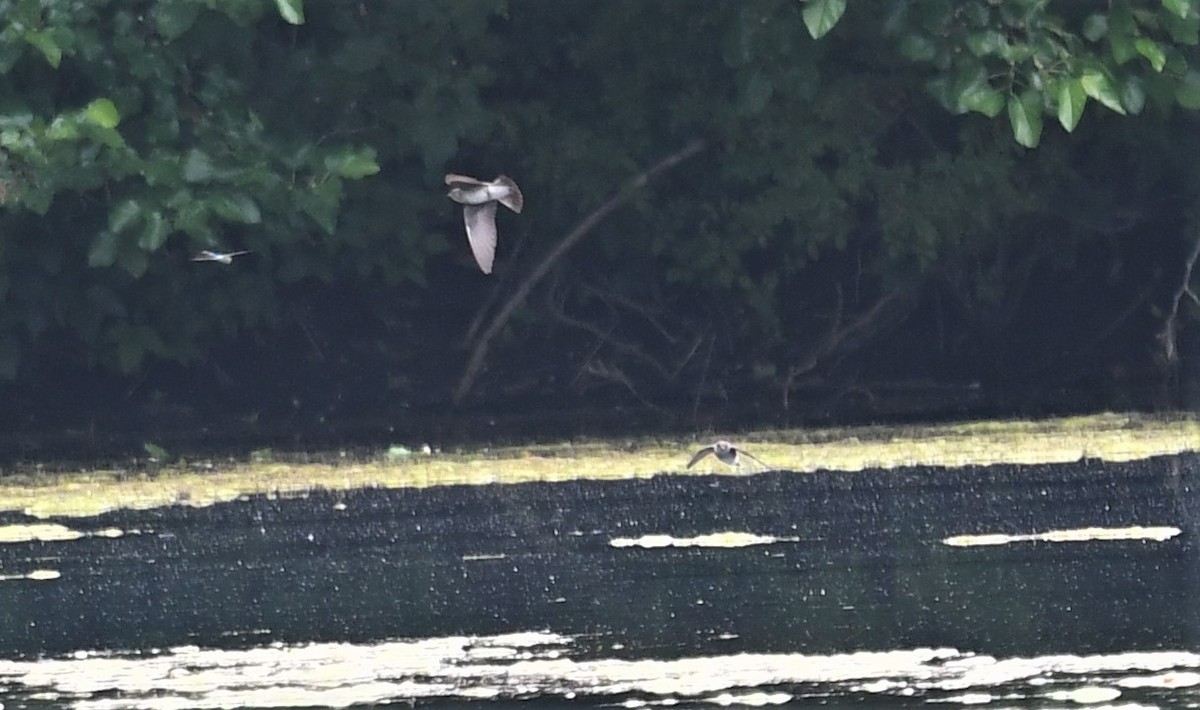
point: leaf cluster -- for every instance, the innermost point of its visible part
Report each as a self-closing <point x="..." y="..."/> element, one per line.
<point x="1033" y="58"/>
<point x="135" y="135"/>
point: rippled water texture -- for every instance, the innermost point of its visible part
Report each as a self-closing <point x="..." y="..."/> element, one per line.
<point x="1058" y="585"/>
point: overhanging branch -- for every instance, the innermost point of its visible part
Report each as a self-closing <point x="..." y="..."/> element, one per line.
<point x="480" y="347"/>
<point x="1168" y="336"/>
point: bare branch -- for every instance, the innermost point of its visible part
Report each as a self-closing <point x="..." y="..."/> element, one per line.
<point x="667" y="370"/>
<point x="604" y="371"/>
<point x="712" y="339"/>
<point x="1168" y="336"/>
<point x="483" y="342"/>
<point x="604" y="337"/>
<point x="645" y="311"/>
<point x="841" y="336"/>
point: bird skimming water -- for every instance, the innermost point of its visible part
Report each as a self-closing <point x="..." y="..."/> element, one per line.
<point x="221" y="257"/>
<point x="479" y="199"/>
<point x="726" y="453"/>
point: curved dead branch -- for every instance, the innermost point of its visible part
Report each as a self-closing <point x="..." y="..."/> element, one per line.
<point x="846" y="334"/>
<point x="480" y="348"/>
<point x="1168" y="336"/>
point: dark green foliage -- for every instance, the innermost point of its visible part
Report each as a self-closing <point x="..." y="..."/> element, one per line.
<point x="1038" y="56"/>
<point x="136" y="134"/>
<point x="842" y="182"/>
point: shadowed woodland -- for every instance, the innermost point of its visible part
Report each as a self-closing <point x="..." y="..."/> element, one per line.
<point x="736" y="212"/>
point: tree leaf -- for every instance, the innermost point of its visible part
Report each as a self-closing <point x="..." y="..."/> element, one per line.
<point x="986" y="42"/>
<point x="1180" y="8"/>
<point x="1122" y="45"/>
<point x="1183" y="30"/>
<point x="193" y="219"/>
<point x="1097" y="86"/>
<point x="237" y="207"/>
<point x="975" y="13"/>
<point x="1122" y="30"/>
<point x="292" y="11"/>
<point x="353" y="163"/>
<point x="321" y="203"/>
<point x="1187" y="92"/>
<point x="1025" y="116"/>
<point x="154" y="232"/>
<point x="63" y="128"/>
<point x="1133" y="95"/>
<point x="1149" y="49"/>
<point x="133" y="261"/>
<point x="123" y="216"/>
<point x="820" y="16"/>
<point x="1071" y="101"/>
<point x="198" y="167"/>
<point x="174" y="17"/>
<point x="917" y="47"/>
<point x="103" y="112"/>
<point x="103" y="251"/>
<point x="1095" y="27"/>
<point x="981" y="97"/>
<point x="46" y="45"/>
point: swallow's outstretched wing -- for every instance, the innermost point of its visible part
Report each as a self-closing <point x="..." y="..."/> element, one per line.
<point x="701" y="454"/>
<point x="451" y="179"/>
<point x="752" y="457"/>
<point x="481" y="232"/>
<point x="222" y="257"/>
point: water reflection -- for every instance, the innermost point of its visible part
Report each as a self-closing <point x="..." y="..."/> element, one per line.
<point x="746" y="590"/>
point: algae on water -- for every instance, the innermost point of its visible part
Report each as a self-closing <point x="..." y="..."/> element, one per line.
<point x="1111" y="437"/>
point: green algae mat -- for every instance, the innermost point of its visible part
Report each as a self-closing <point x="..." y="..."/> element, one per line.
<point x="1109" y="437"/>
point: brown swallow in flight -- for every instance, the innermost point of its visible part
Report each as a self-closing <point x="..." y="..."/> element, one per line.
<point x="726" y="453"/>
<point x="479" y="199"/>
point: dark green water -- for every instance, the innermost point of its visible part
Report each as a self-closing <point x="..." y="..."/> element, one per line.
<point x="843" y="589"/>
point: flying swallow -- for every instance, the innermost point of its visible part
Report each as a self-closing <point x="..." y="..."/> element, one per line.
<point x="223" y="257"/>
<point x="479" y="199"/>
<point x="726" y="453"/>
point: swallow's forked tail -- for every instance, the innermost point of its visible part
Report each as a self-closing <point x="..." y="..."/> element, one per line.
<point x="514" y="200"/>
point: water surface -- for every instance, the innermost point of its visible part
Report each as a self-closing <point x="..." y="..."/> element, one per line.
<point x="1045" y="586"/>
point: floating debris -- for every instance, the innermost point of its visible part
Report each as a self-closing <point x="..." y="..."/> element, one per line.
<point x="1155" y="534"/>
<point x="719" y="539"/>
<point x="38" y="575"/>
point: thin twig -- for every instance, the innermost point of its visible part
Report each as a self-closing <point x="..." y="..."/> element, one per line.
<point x="603" y="371"/>
<point x="863" y="326"/>
<point x="605" y="338"/>
<point x="480" y="349"/>
<point x="612" y="299"/>
<point x="703" y="377"/>
<point x="644" y="311"/>
<point x="1167" y="336"/>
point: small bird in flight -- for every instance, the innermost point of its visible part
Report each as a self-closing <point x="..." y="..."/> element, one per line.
<point x="223" y="257"/>
<point x="479" y="199"/>
<point x="726" y="453"/>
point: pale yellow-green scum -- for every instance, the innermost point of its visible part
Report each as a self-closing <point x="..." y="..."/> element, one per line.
<point x="1112" y="437"/>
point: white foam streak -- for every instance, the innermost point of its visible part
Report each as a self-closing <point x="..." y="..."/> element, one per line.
<point x="540" y="663"/>
<point x="51" y="532"/>
<point x="727" y="539"/>
<point x="1154" y="534"/>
